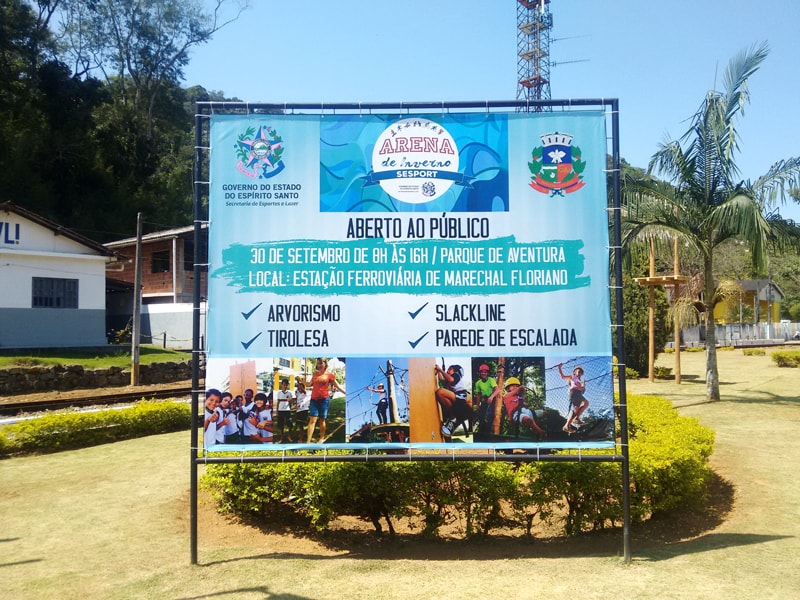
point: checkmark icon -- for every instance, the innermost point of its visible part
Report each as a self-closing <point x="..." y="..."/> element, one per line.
<point x="414" y="314"/>
<point x="246" y="345"/>
<point x="419" y="339"/>
<point x="249" y="314"/>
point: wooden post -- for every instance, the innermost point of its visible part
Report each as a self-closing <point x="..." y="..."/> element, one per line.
<point x="498" y="402"/>
<point x="666" y="280"/>
<point x="423" y="410"/>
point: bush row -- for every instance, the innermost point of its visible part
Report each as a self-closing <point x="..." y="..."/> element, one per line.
<point x="69" y="430"/>
<point x="786" y="358"/>
<point x="669" y="470"/>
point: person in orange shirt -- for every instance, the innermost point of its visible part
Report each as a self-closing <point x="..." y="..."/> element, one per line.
<point x="320" y="384"/>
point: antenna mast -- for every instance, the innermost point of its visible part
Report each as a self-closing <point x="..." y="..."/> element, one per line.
<point x="534" y="23"/>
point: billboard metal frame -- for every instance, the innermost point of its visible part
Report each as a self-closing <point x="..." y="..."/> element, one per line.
<point x="406" y="453"/>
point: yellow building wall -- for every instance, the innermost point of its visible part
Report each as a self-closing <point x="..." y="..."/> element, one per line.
<point x="731" y="307"/>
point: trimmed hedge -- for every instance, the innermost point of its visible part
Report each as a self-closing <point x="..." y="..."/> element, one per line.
<point x="71" y="430"/>
<point x="669" y="471"/>
<point x="786" y="358"/>
<point x="754" y="352"/>
<point x="662" y="372"/>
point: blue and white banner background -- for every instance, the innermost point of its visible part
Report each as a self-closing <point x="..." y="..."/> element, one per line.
<point x="408" y="235"/>
<point x="299" y="265"/>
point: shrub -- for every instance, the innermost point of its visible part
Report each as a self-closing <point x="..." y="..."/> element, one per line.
<point x="668" y="462"/>
<point x="786" y="358"/>
<point x="582" y="495"/>
<point x="695" y="349"/>
<point x="662" y="372"/>
<point x="669" y="457"/>
<point x="70" y="430"/>
<point x="366" y="490"/>
<point x="479" y="489"/>
<point x="753" y="351"/>
<point x="630" y="372"/>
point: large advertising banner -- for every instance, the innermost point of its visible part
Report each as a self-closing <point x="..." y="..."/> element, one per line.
<point x="413" y="278"/>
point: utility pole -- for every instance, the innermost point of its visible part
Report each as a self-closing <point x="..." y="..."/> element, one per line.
<point x="137" y="304"/>
<point x="392" y="394"/>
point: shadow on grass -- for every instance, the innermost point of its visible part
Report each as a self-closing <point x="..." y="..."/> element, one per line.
<point x="755" y="399"/>
<point x="662" y="537"/>
<point x="690" y="532"/>
<point x="706" y="543"/>
<point x="251" y="590"/>
<point x="21" y="562"/>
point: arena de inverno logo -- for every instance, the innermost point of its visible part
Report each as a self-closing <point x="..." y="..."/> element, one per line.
<point x="260" y="152"/>
<point x="556" y="166"/>
<point x="415" y="160"/>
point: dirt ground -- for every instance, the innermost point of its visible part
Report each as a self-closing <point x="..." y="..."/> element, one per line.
<point x="144" y="390"/>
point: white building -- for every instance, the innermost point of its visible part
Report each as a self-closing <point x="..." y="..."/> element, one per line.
<point x="53" y="284"/>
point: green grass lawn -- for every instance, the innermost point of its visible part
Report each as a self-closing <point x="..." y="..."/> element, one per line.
<point x="93" y="360"/>
<point x="112" y="522"/>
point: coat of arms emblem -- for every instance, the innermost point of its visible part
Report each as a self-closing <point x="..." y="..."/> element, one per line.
<point x="260" y="152"/>
<point x="556" y="166"/>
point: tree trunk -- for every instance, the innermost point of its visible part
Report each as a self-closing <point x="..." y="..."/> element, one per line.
<point x="500" y="378"/>
<point x="712" y="372"/>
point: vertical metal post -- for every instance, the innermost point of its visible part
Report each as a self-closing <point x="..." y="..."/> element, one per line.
<point x="391" y="391"/>
<point x="137" y="304"/>
<point x="198" y="162"/>
<point x="623" y="394"/>
<point x="651" y="316"/>
<point x="175" y="266"/>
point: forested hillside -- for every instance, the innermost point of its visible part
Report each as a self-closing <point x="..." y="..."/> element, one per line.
<point x="95" y="125"/>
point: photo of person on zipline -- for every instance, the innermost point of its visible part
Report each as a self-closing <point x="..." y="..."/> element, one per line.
<point x="576" y="383"/>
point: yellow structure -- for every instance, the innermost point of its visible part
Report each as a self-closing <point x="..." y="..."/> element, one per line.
<point x="761" y="298"/>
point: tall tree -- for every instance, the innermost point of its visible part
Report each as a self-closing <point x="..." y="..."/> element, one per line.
<point x="141" y="46"/>
<point x="47" y="162"/>
<point x="704" y="203"/>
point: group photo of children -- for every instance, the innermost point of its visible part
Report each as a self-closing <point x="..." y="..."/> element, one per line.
<point x="273" y="401"/>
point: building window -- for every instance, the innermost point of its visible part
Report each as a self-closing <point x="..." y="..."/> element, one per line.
<point x="188" y="255"/>
<point x="160" y="262"/>
<point x="49" y="292"/>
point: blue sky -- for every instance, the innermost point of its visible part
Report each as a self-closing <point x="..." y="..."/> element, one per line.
<point x="657" y="58"/>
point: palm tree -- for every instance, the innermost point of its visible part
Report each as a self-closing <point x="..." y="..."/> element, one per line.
<point x="703" y="203"/>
